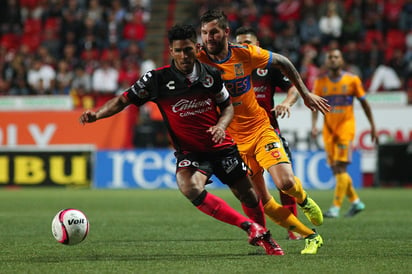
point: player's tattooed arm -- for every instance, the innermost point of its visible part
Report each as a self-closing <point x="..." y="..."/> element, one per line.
<point x="312" y="101"/>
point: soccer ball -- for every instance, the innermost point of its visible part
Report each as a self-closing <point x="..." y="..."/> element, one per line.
<point x="70" y="226"/>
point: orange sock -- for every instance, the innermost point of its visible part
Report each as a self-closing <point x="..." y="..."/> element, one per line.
<point x="340" y="189"/>
<point x="350" y="190"/>
<point x="296" y="191"/>
<point x="283" y="217"/>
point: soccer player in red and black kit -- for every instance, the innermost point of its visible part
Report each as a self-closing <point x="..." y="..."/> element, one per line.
<point x="189" y="95"/>
<point x="265" y="83"/>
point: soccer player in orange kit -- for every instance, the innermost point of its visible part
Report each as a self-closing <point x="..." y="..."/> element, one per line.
<point x="265" y="84"/>
<point x="259" y="145"/>
<point x="340" y="88"/>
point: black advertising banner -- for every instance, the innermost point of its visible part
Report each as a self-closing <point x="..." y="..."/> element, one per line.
<point x="46" y="167"/>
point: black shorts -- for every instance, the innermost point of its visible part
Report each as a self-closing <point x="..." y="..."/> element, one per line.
<point x="225" y="164"/>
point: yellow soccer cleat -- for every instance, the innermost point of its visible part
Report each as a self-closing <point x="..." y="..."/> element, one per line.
<point x="313" y="212"/>
<point x="312" y="243"/>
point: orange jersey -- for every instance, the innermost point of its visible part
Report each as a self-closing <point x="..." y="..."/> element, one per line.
<point x="340" y="93"/>
<point x="236" y="71"/>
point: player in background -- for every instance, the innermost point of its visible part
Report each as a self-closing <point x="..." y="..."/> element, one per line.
<point x="258" y="144"/>
<point x="188" y="95"/>
<point x="265" y="84"/>
<point x="341" y="88"/>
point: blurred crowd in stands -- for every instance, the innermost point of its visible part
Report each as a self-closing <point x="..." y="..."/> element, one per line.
<point x="77" y="47"/>
<point x="93" y="49"/>
<point x="375" y="35"/>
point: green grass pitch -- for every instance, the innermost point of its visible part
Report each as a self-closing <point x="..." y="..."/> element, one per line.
<point x="159" y="231"/>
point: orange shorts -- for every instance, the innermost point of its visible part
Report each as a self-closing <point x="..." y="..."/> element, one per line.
<point x="338" y="150"/>
<point x="264" y="151"/>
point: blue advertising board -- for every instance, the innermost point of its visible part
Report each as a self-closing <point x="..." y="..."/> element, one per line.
<point x="155" y="168"/>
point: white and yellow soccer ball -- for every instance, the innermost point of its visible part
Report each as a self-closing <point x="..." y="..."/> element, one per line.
<point x="70" y="226"/>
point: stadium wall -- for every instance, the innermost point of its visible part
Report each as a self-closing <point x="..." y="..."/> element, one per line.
<point x="32" y="128"/>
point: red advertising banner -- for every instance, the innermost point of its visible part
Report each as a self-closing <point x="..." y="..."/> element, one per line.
<point x="43" y="128"/>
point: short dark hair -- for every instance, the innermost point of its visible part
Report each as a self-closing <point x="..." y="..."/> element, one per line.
<point x="215" y="14"/>
<point x="182" y="32"/>
<point x="245" y="30"/>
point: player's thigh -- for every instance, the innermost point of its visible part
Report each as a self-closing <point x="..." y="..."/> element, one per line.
<point x="270" y="150"/>
<point x="343" y="151"/>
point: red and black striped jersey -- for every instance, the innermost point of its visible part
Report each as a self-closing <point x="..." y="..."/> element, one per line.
<point x="188" y="109"/>
<point x="265" y="84"/>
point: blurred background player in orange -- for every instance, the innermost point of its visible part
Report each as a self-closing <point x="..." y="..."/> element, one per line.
<point x="259" y="145"/>
<point x="340" y="88"/>
<point x="265" y="84"/>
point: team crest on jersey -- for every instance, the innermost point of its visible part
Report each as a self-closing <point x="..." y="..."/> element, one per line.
<point x="208" y="81"/>
<point x="239" y="70"/>
<point x="142" y="93"/>
<point x="261" y="72"/>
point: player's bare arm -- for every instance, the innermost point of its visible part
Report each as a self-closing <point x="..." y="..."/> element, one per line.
<point x="368" y="112"/>
<point x="110" y="108"/>
<point x="218" y="131"/>
<point x="312" y="101"/>
<point x="315" y="131"/>
<point x="282" y="110"/>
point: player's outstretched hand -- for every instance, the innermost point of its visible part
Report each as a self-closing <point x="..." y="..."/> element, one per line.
<point x="218" y="134"/>
<point x="87" y="116"/>
<point x="315" y="102"/>
<point x="281" y="111"/>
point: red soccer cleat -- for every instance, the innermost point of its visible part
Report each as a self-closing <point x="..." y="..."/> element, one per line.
<point x="258" y="235"/>
<point x="293" y="236"/>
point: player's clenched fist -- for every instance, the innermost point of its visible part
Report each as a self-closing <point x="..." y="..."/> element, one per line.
<point x="88" y="117"/>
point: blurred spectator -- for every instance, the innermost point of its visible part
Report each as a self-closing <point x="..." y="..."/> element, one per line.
<point x="64" y="78"/>
<point x="105" y="82"/>
<point x="17" y="76"/>
<point x="353" y="58"/>
<point x="81" y="80"/>
<point x="267" y="18"/>
<point x="372" y="11"/>
<point x="266" y="38"/>
<point x="94" y="12"/>
<point x="288" y="43"/>
<point x="52" y="42"/>
<point x="114" y="30"/>
<point x="384" y="78"/>
<point x="132" y="53"/>
<point x="408" y="61"/>
<point x="330" y="25"/>
<point x="309" y="9"/>
<point x="129" y="73"/>
<point x="391" y="13"/>
<point x="70" y="55"/>
<point x="10" y="17"/>
<point x="81" y="89"/>
<point x="355" y="8"/>
<point x="373" y="55"/>
<point x="134" y="30"/>
<point x="309" y="30"/>
<point x="338" y="6"/>
<point x="397" y="62"/>
<point x="352" y="28"/>
<point x="41" y="77"/>
<point x="308" y="69"/>
<point x="288" y="10"/>
<point x="405" y="17"/>
<point x="147" y="65"/>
